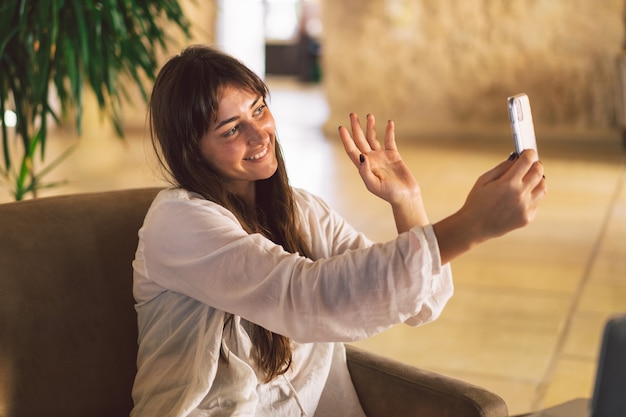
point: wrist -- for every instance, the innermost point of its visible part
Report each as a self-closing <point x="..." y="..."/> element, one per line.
<point x="457" y="234"/>
<point x="409" y="212"/>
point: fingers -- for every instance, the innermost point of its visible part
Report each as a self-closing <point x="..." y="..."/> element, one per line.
<point x="369" y="141"/>
<point x="536" y="179"/>
<point x="531" y="171"/>
<point x="357" y="143"/>
<point x="370" y="135"/>
<point x="522" y="165"/>
<point x="532" y="181"/>
<point x="534" y="174"/>
<point x="359" y="138"/>
<point x="348" y="144"/>
<point x="496" y="172"/>
<point x="356" y="155"/>
<point x="523" y="168"/>
<point x="366" y="141"/>
<point x="390" y="136"/>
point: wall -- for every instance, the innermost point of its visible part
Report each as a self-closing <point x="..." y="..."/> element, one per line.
<point x="445" y="65"/>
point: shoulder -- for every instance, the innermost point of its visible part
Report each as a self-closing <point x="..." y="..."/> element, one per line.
<point x="177" y="195"/>
<point x="179" y="198"/>
<point x="306" y="200"/>
<point x="177" y="206"/>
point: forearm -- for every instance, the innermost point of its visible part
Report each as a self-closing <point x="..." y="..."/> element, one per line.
<point x="455" y="236"/>
<point x="409" y="214"/>
<point x="502" y="199"/>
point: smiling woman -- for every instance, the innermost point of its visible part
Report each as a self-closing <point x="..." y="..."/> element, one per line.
<point x="246" y="288"/>
<point x="240" y="144"/>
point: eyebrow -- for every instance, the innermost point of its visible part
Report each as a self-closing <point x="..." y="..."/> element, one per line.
<point x="232" y="119"/>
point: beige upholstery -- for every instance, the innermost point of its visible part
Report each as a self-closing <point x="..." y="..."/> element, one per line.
<point x="68" y="330"/>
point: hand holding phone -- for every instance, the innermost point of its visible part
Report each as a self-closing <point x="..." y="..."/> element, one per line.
<point x="522" y="125"/>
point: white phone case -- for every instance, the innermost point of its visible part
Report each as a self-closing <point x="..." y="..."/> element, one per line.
<point x="522" y="123"/>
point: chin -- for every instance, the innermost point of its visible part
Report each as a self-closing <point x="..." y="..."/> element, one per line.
<point x="271" y="174"/>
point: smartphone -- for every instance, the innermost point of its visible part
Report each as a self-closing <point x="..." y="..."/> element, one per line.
<point x="522" y="123"/>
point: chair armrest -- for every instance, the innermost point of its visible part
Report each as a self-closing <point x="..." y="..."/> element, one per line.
<point x="390" y="388"/>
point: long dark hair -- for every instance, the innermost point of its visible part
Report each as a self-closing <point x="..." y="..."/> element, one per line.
<point x="183" y="104"/>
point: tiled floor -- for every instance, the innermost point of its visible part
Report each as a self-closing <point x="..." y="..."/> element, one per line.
<point x="529" y="307"/>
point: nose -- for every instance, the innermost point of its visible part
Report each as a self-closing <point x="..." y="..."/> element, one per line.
<point x="258" y="133"/>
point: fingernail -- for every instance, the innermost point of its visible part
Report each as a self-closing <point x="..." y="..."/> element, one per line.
<point x="362" y="158"/>
<point x="513" y="156"/>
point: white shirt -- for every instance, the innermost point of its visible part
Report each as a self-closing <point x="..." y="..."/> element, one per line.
<point x="195" y="264"/>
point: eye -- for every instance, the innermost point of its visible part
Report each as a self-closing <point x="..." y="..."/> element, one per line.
<point x="261" y="109"/>
<point x="231" y="132"/>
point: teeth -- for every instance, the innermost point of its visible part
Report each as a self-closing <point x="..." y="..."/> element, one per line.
<point x="259" y="155"/>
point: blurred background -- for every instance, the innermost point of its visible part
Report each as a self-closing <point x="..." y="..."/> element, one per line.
<point x="527" y="315"/>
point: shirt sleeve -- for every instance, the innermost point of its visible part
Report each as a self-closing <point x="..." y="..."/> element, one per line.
<point x="199" y="249"/>
<point x="328" y="232"/>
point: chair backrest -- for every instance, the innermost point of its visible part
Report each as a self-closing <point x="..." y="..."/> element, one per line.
<point x="609" y="399"/>
<point x="68" y="336"/>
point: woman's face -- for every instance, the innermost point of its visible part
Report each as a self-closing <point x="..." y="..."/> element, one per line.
<point x="240" y="145"/>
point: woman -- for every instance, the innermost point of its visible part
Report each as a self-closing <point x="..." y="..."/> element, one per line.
<point x="246" y="288"/>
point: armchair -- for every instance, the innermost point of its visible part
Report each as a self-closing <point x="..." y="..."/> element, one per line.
<point x="68" y="337"/>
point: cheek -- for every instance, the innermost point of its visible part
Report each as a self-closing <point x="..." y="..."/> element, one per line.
<point x="206" y="152"/>
<point x="211" y="154"/>
<point x="224" y="156"/>
<point x="269" y="123"/>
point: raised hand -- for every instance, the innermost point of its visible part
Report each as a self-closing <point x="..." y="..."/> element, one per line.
<point x="384" y="172"/>
<point x="503" y="199"/>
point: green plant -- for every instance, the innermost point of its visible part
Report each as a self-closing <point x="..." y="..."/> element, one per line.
<point x="67" y="45"/>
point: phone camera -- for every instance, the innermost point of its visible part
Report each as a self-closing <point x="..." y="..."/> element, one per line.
<point x="518" y="109"/>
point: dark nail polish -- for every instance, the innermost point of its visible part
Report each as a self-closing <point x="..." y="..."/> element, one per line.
<point x="513" y="156"/>
<point x="361" y="158"/>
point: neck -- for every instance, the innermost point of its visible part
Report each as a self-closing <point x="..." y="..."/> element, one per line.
<point x="246" y="192"/>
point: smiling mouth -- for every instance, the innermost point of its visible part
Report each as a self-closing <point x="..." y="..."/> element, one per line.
<point x="259" y="155"/>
